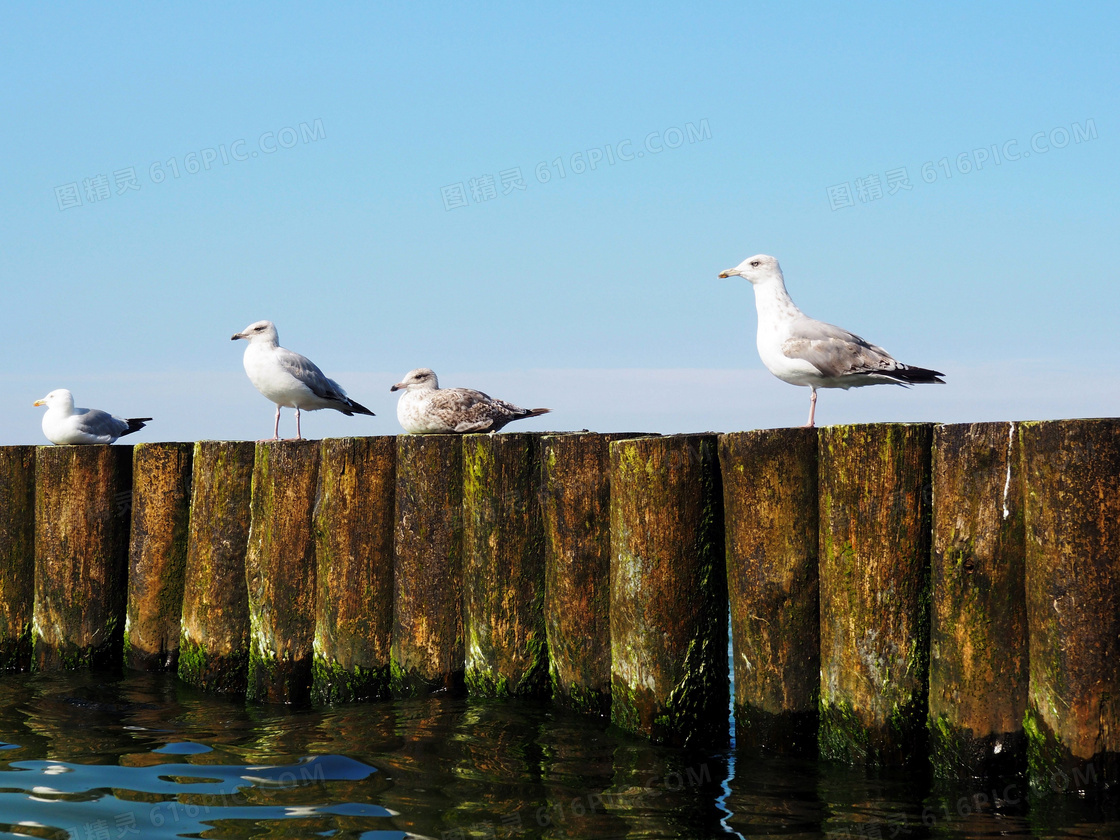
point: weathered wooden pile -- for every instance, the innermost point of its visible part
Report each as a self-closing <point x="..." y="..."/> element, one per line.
<point x="898" y="592"/>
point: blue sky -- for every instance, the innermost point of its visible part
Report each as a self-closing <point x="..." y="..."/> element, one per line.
<point x="409" y="185"/>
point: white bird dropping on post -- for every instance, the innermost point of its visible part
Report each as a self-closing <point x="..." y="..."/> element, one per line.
<point x="65" y="424"/>
<point x="803" y="351"/>
<point x="425" y="408"/>
<point x="289" y="379"/>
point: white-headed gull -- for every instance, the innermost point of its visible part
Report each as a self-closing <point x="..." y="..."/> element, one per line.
<point x="803" y="351"/>
<point x="289" y="379"/>
<point x="65" y="424"/>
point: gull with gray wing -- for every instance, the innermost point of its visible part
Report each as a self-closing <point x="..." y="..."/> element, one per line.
<point x="803" y="351"/>
<point x="289" y="379"/>
<point x="64" y="423"/>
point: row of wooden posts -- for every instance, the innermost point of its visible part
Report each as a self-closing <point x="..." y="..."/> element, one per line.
<point x="898" y="592"/>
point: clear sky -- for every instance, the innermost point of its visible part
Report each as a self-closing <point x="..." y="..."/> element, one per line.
<point x="411" y="185"/>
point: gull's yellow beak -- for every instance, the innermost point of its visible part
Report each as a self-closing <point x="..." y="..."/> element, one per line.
<point x="39" y="402"/>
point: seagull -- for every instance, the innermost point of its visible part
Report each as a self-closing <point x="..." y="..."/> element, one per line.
<point x="425" y="408"/>
<point x="289" y="379"/>
<point x="802" y="351"/>
<point x="63" y="423"/>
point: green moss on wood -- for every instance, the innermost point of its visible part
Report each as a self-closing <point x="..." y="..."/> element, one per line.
<point x="157" y="553"/>
<point x="959" y="754"/>
<point x="225" y="673"/>
<point x="215" y="619"/>
<point x="17" y="555"/>
<point x="771" y="499"/>
<point x="412" y="682"/>
<point x="427" y="649"/>
<point x="336" y="683"/>
<point x="1071" y="472"/>
<point x="15" y="650"/>
<point x="625" y="706"/>
<point x="1052" y="769"/>
<point x="843" y="735"/>
<point x="581" y="698"/>
<point x="978" y="668"/>
<point x="668" y="590"/>
<point x="503" y="558"/>
<point x="280" y="571"/>
<point x="874" y="570"/>
<point x="81" y="548"/>
<point x="354" y="525"/>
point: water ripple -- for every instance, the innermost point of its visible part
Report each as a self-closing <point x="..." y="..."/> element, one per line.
<point x="63" y="799"/>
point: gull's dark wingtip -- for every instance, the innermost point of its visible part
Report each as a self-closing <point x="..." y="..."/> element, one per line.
<point x="919" y="376"/>
<point x="135" y="424"/>
<point x="357" y="408"/>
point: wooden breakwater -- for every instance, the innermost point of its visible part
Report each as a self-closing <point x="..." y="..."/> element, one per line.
<point x="898" y="593"/>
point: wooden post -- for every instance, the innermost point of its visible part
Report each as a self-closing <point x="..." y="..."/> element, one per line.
<point x="575" y="509"/>
<point x="354" y="560"/>
<point x="427" y="645"/>
<point x="668" y="606"/>
<point x="280" y="571"/>
<point x="161" y="495"/>
<point x="1071" y="470"/>
<point x="978" y="626"/>
<point x="82" y="500"/>
<point x="214" y="646"/>
<point x="503" y="566"/>
<point x="875" y="498"/>
<point x="17" y="555"/>
<point x="770" y="506"/>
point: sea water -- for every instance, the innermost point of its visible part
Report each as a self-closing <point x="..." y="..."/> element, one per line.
<point x="99" y="756"/>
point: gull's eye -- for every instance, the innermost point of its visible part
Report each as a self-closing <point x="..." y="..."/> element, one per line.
<point x="756" y="264"/>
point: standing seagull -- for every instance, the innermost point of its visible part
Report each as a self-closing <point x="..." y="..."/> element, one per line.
<point x="425" y="408"/>
<point x="289" y="379"/>
<point x="63" y="423"/>
<point x="802" y="351"/>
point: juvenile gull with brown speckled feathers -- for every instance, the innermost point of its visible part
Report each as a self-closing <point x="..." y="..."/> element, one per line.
<point x="425" y="408"/>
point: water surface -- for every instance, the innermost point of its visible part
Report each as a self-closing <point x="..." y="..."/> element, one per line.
<point x="89" y="756"/>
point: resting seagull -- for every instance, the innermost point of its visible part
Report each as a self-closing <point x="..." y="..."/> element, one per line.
<point x="424" y="408"/>
<point x="289" y="379"/>
<point x="65" y="424"/>
<point x="802" y="351"/>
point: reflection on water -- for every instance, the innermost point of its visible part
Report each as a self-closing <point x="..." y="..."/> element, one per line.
<point x="95" y="757"/>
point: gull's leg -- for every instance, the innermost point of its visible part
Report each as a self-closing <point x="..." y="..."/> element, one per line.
<point x="276" y="428"/>
<point x="299" y="435"/>
<point x="812" y="407"/>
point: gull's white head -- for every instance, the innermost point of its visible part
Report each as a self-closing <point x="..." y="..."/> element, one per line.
<point x="57" y="400"/>
<point x="260" y="332"/>
<point x="757" y="269"/>
<point x="421" y="379"/>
